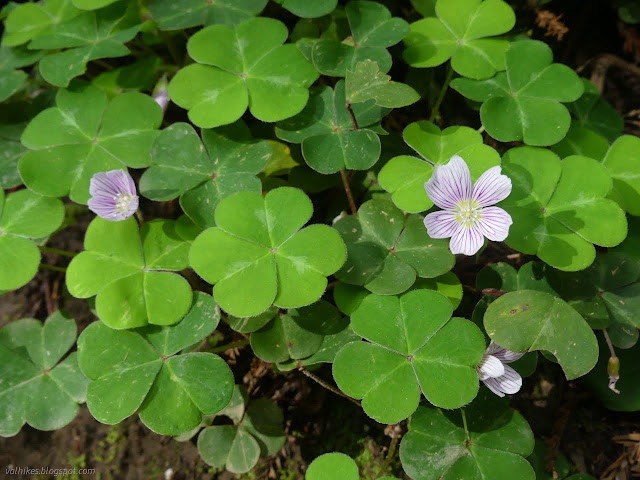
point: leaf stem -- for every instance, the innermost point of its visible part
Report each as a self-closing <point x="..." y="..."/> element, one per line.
<point x="347" y="189"/>
<point x="229" y="346"/>
<point x="352" y="115"/>
<point x="331" y="388"/>
<point x="52" y="267"/>
<point x="466" y="429"/>
<point x="392" y="450"/>
<point x="64" y="253"/>
<point x="435" y="112"/>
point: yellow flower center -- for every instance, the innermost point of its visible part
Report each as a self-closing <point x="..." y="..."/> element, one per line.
<point x="122" y="201"/>
<point x="468" y="213"/>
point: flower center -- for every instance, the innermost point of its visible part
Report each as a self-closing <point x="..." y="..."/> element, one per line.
<point x="468" y="213"/>
<point x="122" y="201"/>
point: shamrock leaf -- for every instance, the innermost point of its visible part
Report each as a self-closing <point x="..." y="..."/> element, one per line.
<point x="87" y="36"/>
<point x="297" y="334"/>
<point x="244" y="70"/>
<point x="140" y="75"/>
<point x="24" y="216"/>
<point x="523" y="103"/>
<point x="411" y="351"/>
<point x="11" y="80"/>
<point x="387" y="250"/>
<point x="622" y="162"/>
<point x="460" y="32"/>
<point x="594" y="112"/>
<point x="141" y="370"/>
<point x="582" y="141"/>
<point x="130" y="272"/>
<point x="306" y="9"/>
<point x="204" y="174"/>
<point x="35" y="386"/>
<point x="330" y="141"/>
<point x="190" y="13"/>
<point x="366" y="82"/>
<point x="373" y="31"/>
<point x="404" y="176"/>
<point x="528" y="320"/>
<point x="84" y="135"/>
<point x="490" y="441"/>
<point x="28" y="20"/>
<point x="559" y="208"/>
<point x="256" y="256"/>
<point x="332" y="465"/>
<point x="257" y="430"/>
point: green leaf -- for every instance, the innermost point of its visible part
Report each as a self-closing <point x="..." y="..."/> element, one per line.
<point x="594" y="112"/>
<point x="559" y="208"/>
<point x="367" y="82"/>
<point x="436" y="445"/>
<point x="88" y="36"/>
<point x="410" y="352"/>
<point x="190" y="13"/>
<point x="230" y="447"/>
<point x="404" y="176"/>
<point x="524" y="103"/>
<point x="127" y="270"/>
<point x="245" y="71"/>
<point x="84" y="135"/>
<point x="256" y="256"/>
<point x="529" y="320"/>
<point x="373" y="31"/>
<point x="332" y="465"/>
<point x="35" y="386"/>
<point x="330" y="142"/>
<point x="252" y="324"/>
<point x="582" y="141"/>
<point x="462" y="31"/>
<point x="306" y="9"/>
<point x="140" y="370"/>
<point x="11" y="80"/>
<point x="621" y="162"/>
<point x="386" y="251"/>
<point x="140" y="75"/>
<point x="29" y="20"/>
<point x="24" y="216"/>
<point x="92" y="4"/>
<point x="202" y="175"/>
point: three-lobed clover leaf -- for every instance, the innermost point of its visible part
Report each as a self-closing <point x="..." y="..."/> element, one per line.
<point x="413" y="346"/>
<point x="404" y="176"/>
<point x="490" y="441"/>
<point x="330" y="141"/>
<point x="11" y="79"/>
<point x="141" y="370"/>
<point x="335" y="465"/>
<point x="84" y="135"/>
<point x="373" y="30"/>
<point x="524" y="103"/>
<point x="306" y="9"/>
<point x="387" y="250"/>
<point x="256" y="431"/>
<point x="366" y="82"/>
<point x="622" y="163"/>
<point x="29" y="20"/>
<point x="245" y="69"/>
<point x="204" y="172"/>
<point x="462" y="31"/>
<point x="35" y="386"/>
<point x="594" y="112"/>
<point x="528" y="320"/>
<point x="24" y="216"/>
<point x="130" y="271"/>
<point x="190" y="13"/>
<point x="559" y="208"/>
<point x="88" y="36"/>
<point x="256" y="256"/>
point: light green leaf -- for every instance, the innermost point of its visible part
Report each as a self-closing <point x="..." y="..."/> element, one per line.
<point x="332" y="465"/>
<point x="367" y="82"/>
<point x="29" y="20"/>
<point x="306" y="9"/>
<point x="190" y="13"/>
<point x="622" y="163"/>
<point x="582" y="141"/>
<point x="594" y="112"/>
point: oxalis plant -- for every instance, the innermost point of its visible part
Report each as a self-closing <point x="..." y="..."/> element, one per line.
<point x="277" y="179"/>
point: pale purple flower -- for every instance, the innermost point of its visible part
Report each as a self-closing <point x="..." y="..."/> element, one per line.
<point x="495" y="374"/>
<point x="467" y="216"/>
<point x="113" y="195"/>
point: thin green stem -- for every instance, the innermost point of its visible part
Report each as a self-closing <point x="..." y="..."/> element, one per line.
<point x="229" y="346"/>
<point x="392" y="451"/>
<point x="466" y="430"/>
<point x="52" y="267"/>
<point x="331" y="388"/>
<point x="57" y="251"/>
<point x="435" y="112"/>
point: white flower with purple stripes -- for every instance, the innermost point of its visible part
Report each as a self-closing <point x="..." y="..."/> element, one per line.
<point x="467" y="215"/>
<point x="113" y="195"/>
<point x="495" y="374"/>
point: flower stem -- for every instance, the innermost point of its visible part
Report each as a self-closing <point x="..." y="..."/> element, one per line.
<point x="435" y="112"/>
<point x="392" y="451"/>
<point x="331" y="388"/>
<point x="229" y="346"/>
<point x="347" y="189"/>
<point x="52" y="267"/>
<point x="63" y="253"/>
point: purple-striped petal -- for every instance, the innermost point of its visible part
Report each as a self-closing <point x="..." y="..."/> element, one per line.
<point x="493" y="385"/>
<point x="441" y="224"/>
<point x="492" y="187"/>
<point x="494" y="223"/>
<point x="466" y="240"/>
<point x="450" y="184"/>
<point x="510" y="382"/>
<point x="502" y="354"/>
<point x="113" y="195"/>
<point x="490" y="367"/>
